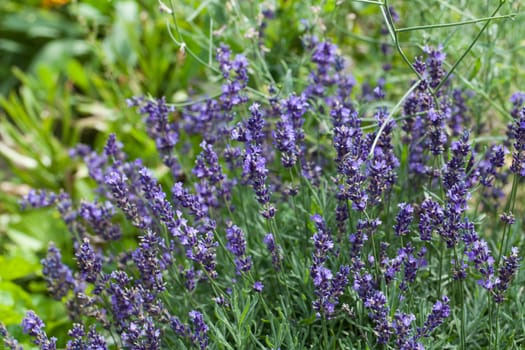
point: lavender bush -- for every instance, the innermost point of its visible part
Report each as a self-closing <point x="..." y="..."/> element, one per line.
<point x="323" y="217"/>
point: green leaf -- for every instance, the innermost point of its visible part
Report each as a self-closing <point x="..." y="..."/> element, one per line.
<point x="16" y="267"/>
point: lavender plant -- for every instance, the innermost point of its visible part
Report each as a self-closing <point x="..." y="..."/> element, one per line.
<point x="315" y="218"/>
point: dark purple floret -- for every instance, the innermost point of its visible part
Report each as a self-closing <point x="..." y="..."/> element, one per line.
<point x="365" y="229"/>
<point x="126" y="300"/>
<point x="404" y="219"/>
<point x="411" y="264"/>
<point x="274" y="250"/>
<point x="207" y="165"/>
<point x="258" y="286"/>
<point x="507" y="218"/>
<point x="488" y="167"/>
<point x="434" y="64"/>
<point x="402" y="325"/>
<point x="95" y="340"/>
<point x="117" y="183"/>
<point x="199" y="335"/>
<point x="440" y="311"/>
<point x="289" y="134"/>
<point x="141" y="335"/>
<point x="454" y="171"/>
<point x="38" y="199"/>
<point x="9" y="342"/>
<point x="162" y="131"/>
<point x="322" y="241"/>
<point x="34" y="326"/>
<point x="506" y="273"/>
<point x="113" y="148"/>
<point x="517" y="135"/>
<point x="377" y="304"/>
<point x="255" y="171"/>
<point x="236" y="244"/>
<point x="382" y="167"/>
<point x="157" y="201"/>
<point x="188" y="200"/>
<point x="431" y="218"/>
<point x="285" y="142"/>
<point x="77" y="333"/>
<point x="437" y="134"/>
<point x="99" y="216"/>
<point x="328" y="287"/>
<point x="58" y="276"/>
<point x="148" y="261"/>
<point x="89" y="261"/>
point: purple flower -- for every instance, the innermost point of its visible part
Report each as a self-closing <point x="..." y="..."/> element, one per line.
<point x="274" y="250"/>
<point x="517" y="135"/>
<point x="494" y="158"/>
<point x="506" y="274"/>
<point x="328" y="287"/>
<point x="162" y="131"/>
<point x="121" y="193"/>
<point x="141" y="335"/>
<point x="440" y="311"/>
<point x="207" y="165"/>
<point x="258" y="286"/>
<point x="147" y="258"/>
<point x="431" y="218"/>
<point x="34" y="326"/>
<point x="404" y="219"/>
<point x="199" y="334"/>
<point x="99" y="216"/>
<point x="89" y="261"/>
<point x="58" y="276"/>
<point x="9" y="342"/>
<point x="236" y="244"/>
<point x="38" y="199"/>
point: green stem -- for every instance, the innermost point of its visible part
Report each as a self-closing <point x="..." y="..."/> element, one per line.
<point x="444" y="80"/>
<point x="453" y="24"/>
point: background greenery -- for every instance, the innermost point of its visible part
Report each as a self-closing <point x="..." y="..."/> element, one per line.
<point x="65" y="72"/>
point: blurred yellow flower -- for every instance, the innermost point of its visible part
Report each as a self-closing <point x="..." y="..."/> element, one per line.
<point x="53" y="3"/>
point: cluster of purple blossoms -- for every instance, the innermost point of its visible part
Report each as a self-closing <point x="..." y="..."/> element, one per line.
<point x="160" y="129"/>
<point x="9" y="341"/>
<point x="150" y="262"/>
<point x="275" y="251"/>
<point x="34" y="326"/>
<point x="405" y="259"/>
<point x="236" y="244"/>
<point x="351" y="178"/>
<point x="325" y="57"/>
<point x="289" y="133"/>
<point x="99" y="217"/>
<point x="254" y="169"/>
<point x="427" y="112"/>
<point x="488" y="167"/>
<point x="82" y="341"/>
<point x="197" y="332"/>
<point x="382" y="166"/>
<point x="328" y="287"/>
<point x="440" y="311"/>
<point x="59" y="277"/>
<point x="517" y="134"/>
<point x="506" y="273"/>
<point x="404" y="219"/>
<point x="88" y="261"/>
<point x="210" y="117"/>
<point x="365" y="230"/>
